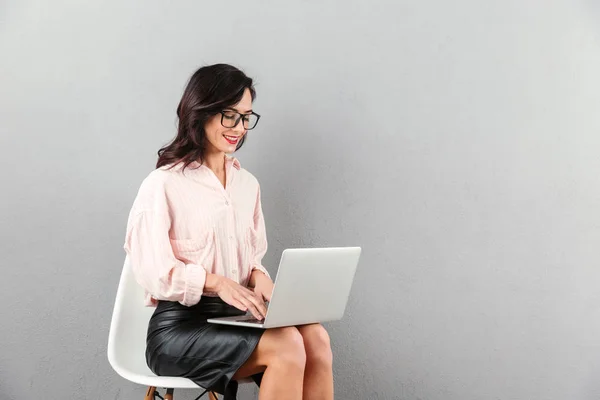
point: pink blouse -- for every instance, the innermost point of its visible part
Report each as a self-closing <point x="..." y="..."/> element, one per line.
<point x="185" y="225"/>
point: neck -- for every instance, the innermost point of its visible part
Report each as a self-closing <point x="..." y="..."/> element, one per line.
<point x="215" y="161"/>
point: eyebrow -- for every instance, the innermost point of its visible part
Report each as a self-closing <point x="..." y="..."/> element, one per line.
<point x="236" y="110"/>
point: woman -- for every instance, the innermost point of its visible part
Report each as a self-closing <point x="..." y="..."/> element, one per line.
<point x="196" y="237"/>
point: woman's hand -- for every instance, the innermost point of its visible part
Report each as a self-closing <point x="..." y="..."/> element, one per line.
<point x="263" y="285"/>
<point x="236" y="295"/>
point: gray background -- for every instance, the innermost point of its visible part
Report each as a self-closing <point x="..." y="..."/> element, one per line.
<point x="456" y="142"/>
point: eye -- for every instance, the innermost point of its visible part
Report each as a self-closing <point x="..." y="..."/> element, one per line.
<point x="229" y="115"/>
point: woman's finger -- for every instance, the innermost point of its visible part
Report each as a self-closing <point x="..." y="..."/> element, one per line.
<point x="258" y="303"/>
<point x="266" y="295"/>
<point x="239" y="305"/>
<point x="247" y="305"/>
<point x="250" y="302"/>
<point x="246" y="291"/>
<point x="253" y="310"/>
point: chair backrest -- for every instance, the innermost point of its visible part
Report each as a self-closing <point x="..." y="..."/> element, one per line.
<point x="128" y="328"/>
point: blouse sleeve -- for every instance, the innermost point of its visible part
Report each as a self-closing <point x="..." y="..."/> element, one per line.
<point x="260" y="242"/>
<point x="153" y="262"/>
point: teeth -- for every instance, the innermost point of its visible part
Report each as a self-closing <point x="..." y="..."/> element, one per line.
<point x="232" y="138"/>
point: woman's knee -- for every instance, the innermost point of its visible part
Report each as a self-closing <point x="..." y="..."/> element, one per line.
<point x="317" y="344"/>
<point x="289" y="348"/>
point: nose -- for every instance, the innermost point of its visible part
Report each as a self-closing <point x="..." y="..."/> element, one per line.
<point x="239" y="128"/>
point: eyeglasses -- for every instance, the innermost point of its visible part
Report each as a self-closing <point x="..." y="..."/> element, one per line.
<point x="230" y="119"/>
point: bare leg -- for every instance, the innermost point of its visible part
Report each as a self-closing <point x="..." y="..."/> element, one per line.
<point x="281" y="356"/>
<point x="318" y="374"/>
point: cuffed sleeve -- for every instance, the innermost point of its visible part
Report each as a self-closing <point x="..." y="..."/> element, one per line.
<point x="155" y="267"/>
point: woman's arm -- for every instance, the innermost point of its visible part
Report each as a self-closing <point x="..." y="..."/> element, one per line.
<point x="259" y="243"/>
<point x="153" y="263"/>
<point x="256" y="274"/>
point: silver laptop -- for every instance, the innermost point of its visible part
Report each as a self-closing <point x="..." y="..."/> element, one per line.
<point x="312" y="285"/>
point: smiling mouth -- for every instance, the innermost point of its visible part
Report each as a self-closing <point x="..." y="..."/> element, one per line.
<point x="231" y="139"/>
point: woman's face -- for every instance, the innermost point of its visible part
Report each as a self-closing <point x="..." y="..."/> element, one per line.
<point x="225" y="140"/>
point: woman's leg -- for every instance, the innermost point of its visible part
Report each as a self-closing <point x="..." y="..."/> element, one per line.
<point x="280" y="354"/>
<point x="318" y="374"/>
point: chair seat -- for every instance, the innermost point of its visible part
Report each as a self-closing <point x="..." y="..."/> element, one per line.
<point x="127" y="337"/>
<point x="175" y="382"/>
<point x="147" y="378"/>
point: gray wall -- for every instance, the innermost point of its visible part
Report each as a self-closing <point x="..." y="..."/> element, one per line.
<point x="456" y="142"/>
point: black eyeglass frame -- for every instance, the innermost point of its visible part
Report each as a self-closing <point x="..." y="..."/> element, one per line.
<point x="238" y="119"/>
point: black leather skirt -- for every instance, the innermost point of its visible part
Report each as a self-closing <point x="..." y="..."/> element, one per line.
<point x="181" y="343"/>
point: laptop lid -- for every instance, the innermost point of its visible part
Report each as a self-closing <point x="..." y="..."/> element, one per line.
<point x="312" y="285"/>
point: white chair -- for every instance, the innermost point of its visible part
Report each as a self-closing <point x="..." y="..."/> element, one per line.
<point x="127" y="341"/>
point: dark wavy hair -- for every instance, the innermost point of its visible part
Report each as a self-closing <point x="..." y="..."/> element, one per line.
<point x="210" y="90"/>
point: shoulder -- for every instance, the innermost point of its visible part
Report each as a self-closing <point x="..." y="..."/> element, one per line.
<point x="164" y="176"/>
<point x="155" y="187"/>
<point x="247" y="176"/>
<point x="157" y="180"/>
<point x="248" y="184"/>
<point x="243" y="174"/>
